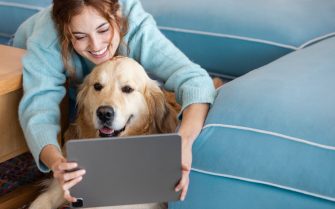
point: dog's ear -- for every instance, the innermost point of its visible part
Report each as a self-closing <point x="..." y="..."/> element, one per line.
<point x="82" y="93"/>
<point x="162" y="117"/>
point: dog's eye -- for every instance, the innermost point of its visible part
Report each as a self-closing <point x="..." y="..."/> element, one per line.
<point x="127" y="89"/>
<point x="98" y="86"/>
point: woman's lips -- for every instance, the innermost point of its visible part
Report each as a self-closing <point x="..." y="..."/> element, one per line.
<point x="99" y="54"/>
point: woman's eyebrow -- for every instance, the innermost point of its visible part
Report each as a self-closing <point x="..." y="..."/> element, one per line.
<point x="103" y="24"/>
<point x="81" y="33"/>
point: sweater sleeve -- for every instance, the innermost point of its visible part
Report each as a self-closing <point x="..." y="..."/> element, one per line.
<point x="160" y="57"/>
<point x="43" y="85"/>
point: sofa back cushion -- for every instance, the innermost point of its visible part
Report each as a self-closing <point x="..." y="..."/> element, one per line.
<point x="14" y="12"/>
<point x="235" y="36"/>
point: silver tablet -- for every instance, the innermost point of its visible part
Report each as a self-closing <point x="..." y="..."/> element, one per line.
<point x="126" y="170"/>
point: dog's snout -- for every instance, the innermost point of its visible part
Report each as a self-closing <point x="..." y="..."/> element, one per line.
<point x="105" y="113"/>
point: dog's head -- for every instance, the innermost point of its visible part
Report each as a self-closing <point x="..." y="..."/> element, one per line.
<point x="118" y="98"/>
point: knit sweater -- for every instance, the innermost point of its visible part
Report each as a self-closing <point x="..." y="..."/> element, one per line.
<point x="44" y="75"/>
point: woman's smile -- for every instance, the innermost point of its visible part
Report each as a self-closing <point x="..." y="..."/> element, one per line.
<point x="94" y="38"/>
<point x="99" y="54"/>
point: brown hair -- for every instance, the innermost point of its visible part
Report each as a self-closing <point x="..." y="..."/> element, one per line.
<point x="64" y="10"/>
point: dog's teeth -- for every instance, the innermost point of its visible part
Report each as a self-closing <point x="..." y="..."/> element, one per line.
<point x="107" y="131"/>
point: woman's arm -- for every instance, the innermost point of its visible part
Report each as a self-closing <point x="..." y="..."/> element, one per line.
<point x="193" y="119"/>
<point x="193" y="86"/>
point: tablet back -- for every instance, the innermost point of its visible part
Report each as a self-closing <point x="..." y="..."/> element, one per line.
<point x="126" y="170"/>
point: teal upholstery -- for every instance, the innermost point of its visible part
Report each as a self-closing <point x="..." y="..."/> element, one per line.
<point x="275" y="126"/>
<point x="269" y="139"/>
<point x="14" y="12"/>
<point x="233" y="37"/>
<point x="214" y="192"/>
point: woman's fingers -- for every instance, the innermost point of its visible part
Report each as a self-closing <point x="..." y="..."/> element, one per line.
<point x="66" y="166"/>
<point x="184" y="190"/>
<point x="72" y="175"/>
<point x="183" y="184"/>
<point x="67" y="178"/>
<point x="68" y="185"/>
<point x="68" y="197"/>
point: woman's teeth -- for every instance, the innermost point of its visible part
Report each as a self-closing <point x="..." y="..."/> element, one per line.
<point x="100" y="52"/>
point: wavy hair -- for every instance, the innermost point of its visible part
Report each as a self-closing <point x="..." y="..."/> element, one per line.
<point x="64" y="10"/>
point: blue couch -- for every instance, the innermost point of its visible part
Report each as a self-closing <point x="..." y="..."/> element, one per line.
<point x="269" y="138"/>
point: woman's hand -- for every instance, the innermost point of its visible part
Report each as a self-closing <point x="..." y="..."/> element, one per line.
<point x="186" y="164"/>
<point x="65" y="178"/>
<point x="53" y="158"/>
<point x="193" y="119"/>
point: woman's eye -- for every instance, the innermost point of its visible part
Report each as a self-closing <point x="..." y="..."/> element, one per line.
<point x="79" y="37"/>
<point x="103" y="31"/>
<point x="97" y="86"/>
<point x="127" y="89"/>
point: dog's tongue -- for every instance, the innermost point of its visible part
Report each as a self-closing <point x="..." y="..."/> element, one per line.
<point x="106" y="131"/>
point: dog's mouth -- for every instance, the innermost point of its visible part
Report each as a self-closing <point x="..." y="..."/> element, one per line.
<point x="108" y="132"/>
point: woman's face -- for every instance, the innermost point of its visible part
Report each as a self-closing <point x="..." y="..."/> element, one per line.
<point x="92" y="36"/>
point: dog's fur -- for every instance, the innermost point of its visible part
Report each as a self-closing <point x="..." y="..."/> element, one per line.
<point x="117" y="99"/>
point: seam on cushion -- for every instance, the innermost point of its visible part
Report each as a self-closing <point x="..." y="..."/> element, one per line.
<point x="19" y="5"/>
<point x="264" y="183"/>
<point x="317" y="39"/>
<point x="273" y="134"/>
<point x="6" y="35"/>
<point x="228" y="36"/>
<point x="222" y="76"/>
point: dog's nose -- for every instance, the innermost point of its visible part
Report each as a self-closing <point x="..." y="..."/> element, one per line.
<point x="105" y="113"/>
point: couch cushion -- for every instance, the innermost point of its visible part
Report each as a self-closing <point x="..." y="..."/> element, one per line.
<point x="14" y="12"/>
<point x="236" y="36"/>
<point x="275" y="125"/>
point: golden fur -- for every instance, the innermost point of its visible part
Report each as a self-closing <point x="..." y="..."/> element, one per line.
<point x="118" y="97"/>
<point x="150" y="109"/>
<point x="140" y="107"/>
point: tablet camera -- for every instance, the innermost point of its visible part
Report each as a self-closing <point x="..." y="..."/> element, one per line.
<point x="79" y="203"/>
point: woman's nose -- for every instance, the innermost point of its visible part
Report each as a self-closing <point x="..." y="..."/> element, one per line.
<point x="94" y="43"/>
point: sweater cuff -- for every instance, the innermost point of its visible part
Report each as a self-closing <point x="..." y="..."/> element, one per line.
<point x="37" y="141"/>
<point x="196" y="96"/>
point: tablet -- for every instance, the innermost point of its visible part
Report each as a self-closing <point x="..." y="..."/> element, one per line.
<point x="126" y="170"/>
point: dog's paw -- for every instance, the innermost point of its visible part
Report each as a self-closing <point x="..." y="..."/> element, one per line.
<point x="41" y="202"/>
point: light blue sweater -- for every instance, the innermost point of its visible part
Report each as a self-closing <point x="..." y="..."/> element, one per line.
<point x="44" y="74"/>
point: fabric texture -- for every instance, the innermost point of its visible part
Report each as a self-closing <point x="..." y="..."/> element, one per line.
<point x="274" y="125"/>
<point x="233" y="37"/>
<point x="44" y="75"/>
<point x="17" y="172"/>
<point x="217" y="192"/>
<point x="14" y="12"/>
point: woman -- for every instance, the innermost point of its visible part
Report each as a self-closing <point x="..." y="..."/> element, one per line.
<point x="68" y="40"/>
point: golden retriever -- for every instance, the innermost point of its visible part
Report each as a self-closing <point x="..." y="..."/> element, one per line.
<point x="118" y="99"/>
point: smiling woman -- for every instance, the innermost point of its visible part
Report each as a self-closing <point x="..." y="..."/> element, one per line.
<point x="66" y="41"/>
<point x="93" y="37"/>
<point x="93" y="31"/>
